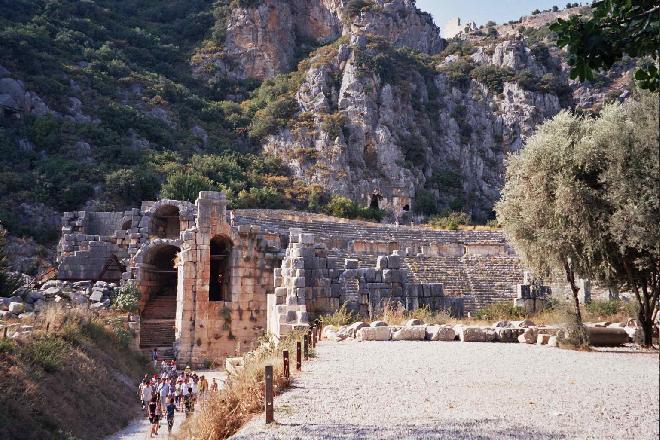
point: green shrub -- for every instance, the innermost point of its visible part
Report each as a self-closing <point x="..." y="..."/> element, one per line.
<point x="458" y="73"/>
<point x="450" y="220"/>
<point x="9" y="283"/>
<point x="127" y="299"/>
<point x="354" y="7"/>
<point x="130" y="186"/>
<point x="46" y="351"/>
<point x="425" y="202"/>
<point x="341" y="317"/>
<point x="340" y="206"/>
<point x="492" y="77"/>
<point x="446" y="179"/>
<point x="182" y="185"/>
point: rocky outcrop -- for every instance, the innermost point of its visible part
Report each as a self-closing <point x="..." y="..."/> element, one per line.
<point x="14" y="98"/>
<point x="264" y="40"/>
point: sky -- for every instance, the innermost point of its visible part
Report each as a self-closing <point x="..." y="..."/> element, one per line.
<point x="480" y="11"/>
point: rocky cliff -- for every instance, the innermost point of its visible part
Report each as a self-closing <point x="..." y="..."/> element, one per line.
<point x="387" y="117"/>
<point x="107" y="103"/>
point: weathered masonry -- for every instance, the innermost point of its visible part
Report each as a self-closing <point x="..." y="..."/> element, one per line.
<point x="213" y="281"/>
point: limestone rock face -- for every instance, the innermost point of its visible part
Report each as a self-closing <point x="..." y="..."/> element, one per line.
<point x="401" y="24"/>
<point x="372" y="120"/>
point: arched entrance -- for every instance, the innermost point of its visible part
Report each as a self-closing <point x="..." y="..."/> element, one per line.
<point x="158" y="286"/>
<point x="166" y="222"/>
<point x="220" y="273"/>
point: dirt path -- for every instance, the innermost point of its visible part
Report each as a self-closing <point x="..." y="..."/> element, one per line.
<point x="452" y="390"/>
<point x="140" y="428"/>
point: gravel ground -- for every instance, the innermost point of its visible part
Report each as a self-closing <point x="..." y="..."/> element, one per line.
<point x="452" y="390"/>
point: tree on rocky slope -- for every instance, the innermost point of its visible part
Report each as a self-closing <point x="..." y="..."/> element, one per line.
<point x="582" y="198"/>
<point x="8" y="282"/>
<point x="616" y="28"/>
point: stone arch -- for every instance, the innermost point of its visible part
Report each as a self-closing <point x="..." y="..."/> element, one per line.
<point x="126" y="223"/>
<point x="220" y="268"/>
<point x="167" y="218"/>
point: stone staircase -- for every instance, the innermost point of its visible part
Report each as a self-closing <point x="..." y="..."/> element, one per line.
<point x="157" y="323"/>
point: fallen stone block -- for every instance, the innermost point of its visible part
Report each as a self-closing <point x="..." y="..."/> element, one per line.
<point x="553" y="341"/>
<point x="413" y="322"/>
<point x="606" y="336"/>
<point x="16" y="308"/>
<point x="509" y="334"/>
<point x="374" y="334"/>
<point x="353" y="328"/>
<point x="416" y="333"/>
<point x="542" y="339"/>
<point x="472" y="334"/>
<point x="440" y="333"/>
<point x="504" y="324"/>
<point x="529" y="336"/>
<point x="378" y="324"/>
<point x="525" y="323"/>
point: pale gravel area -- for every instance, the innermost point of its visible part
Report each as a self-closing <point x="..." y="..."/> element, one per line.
<point x="453" y="390"/>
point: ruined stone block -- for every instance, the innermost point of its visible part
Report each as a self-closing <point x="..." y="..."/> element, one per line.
<point x="374" y="334"/>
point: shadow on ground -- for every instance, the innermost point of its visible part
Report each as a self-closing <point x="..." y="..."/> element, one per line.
<point x="487" y="429"/>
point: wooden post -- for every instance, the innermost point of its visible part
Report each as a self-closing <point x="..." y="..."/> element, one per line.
<point x="268" y="379"/>
<point x="320" y="331"/>
<point x="47" y="326"/>
<point x="314" y="337"/>
<point x="4" y="333"/>
<point x="298" y="356"/>
<point x="306" y="347"/>
<point x="285" y="354"/>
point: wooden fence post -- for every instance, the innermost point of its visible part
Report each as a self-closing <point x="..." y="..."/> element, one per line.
<point x="314" y="337"/>
<point x="268" y="378"/>
<point x="298" y="357"/>
<point x="4" y="333"/>
<point x="306" y="346"/>
<point x="285" y="354"/>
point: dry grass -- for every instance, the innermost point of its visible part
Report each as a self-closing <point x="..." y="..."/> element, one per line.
<point x="62" y="383"/>
<point x="243" y="394"/>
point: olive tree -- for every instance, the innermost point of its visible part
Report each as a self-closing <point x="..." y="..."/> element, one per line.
<point x="582" y="198"/>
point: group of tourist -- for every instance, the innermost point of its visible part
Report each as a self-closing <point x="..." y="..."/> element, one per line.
<point x="171" y="391"/>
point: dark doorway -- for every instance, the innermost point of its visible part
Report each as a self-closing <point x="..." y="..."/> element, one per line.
<point x="406" y="208"/>
<point x="219" y="283"/>
<point x="166" y="222"/>
<point x="375" y="201"/>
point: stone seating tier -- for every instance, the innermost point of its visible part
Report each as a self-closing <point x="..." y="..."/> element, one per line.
<point x="338" y="233"/>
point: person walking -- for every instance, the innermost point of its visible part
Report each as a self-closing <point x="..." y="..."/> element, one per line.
<point x="171" y="407"/>
<point x="164" y="392"/>
<point x="147" y="395"/>
<point x="154" y="415"/>
<point x="154" y="357"/>
<point x="214" y="386"/>
<point x="203" y="387"/>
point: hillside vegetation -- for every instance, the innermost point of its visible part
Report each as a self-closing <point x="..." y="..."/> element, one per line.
<point x="75" y="379"/>
<point x="124" y="101"/>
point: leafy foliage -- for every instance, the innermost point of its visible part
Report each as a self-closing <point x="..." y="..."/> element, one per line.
<point x="615" y="28"/>
<point x="8" y="282"/>
<point x="492" y="76"/>
<point x="340" y="206"/>
<point x="450" y="220"/>
<point x="581" y="198"/>
<point x="126" y="299"/>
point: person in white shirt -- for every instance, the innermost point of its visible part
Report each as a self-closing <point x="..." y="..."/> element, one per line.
<point x="147" y="394"/>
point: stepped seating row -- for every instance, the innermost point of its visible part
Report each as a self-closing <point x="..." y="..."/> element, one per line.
<point x="488" y="279"/>
<point x="329" y="228"/>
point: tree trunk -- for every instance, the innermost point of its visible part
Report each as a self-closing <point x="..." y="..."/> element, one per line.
<point x="581" y="333"/>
